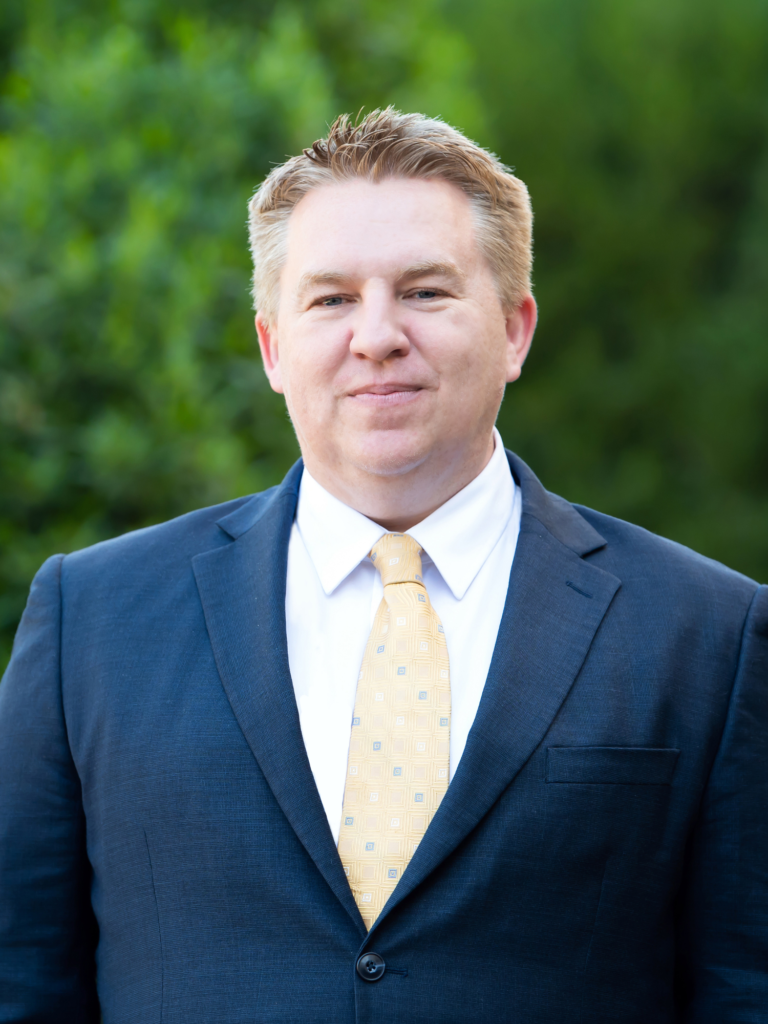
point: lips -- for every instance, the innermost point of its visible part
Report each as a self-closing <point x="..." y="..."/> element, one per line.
<point x="386" y="396"/>
<point x="383" y="389"/>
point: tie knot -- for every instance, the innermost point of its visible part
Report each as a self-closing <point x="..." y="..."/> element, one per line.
<point x="398" y="558"/>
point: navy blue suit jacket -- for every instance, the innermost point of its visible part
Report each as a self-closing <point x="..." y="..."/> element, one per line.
<point x="601" y="854"/>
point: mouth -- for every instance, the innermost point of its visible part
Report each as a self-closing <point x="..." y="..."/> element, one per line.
<point x="385" y="395"/>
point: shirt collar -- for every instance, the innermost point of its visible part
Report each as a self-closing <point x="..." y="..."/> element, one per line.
<point x="458" y="537"/>
<point x="336" y="536"/>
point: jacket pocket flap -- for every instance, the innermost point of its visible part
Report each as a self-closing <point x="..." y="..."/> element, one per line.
<point x="644" y="766"/>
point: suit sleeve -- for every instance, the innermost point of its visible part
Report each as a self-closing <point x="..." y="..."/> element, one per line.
<point x="723" y="933"/>
<point x="47" y="931"/>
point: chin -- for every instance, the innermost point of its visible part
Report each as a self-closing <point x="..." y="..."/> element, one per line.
<point x="389" y="456"/>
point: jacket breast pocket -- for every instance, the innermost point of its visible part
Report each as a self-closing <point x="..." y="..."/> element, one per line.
<point x="638" y="766"/>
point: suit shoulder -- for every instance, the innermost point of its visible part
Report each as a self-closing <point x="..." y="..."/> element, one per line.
<point x="165" y="543"/>
<point x="635" y="551"/>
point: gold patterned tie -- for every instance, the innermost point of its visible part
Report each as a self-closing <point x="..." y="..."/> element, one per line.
<point x="397" y="772"/>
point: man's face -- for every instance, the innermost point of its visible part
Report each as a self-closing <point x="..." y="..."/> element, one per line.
<point x="390" y="344"/>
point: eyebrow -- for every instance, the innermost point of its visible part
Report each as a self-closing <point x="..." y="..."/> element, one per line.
<point x="432" y="269"/>
<point x="318" y="279"/>
<point x="326" y="278"/>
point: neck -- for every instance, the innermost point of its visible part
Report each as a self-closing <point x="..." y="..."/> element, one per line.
<point x="398" y="502"/>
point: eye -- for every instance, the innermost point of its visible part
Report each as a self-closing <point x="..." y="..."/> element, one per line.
<point x="334" y="300"/>
<point x="426" y="293"/>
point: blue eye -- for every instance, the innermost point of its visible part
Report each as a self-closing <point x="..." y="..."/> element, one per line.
<point x="335" y="300"/>
<point x="426" y="293"/>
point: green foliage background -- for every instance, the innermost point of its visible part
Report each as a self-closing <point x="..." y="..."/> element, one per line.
<point x="132" y="133"/>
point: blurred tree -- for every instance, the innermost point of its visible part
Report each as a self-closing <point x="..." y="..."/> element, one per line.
<point x="132" y="133"/>
<point x="132" y="138"/>
<point x="641" y="129"/>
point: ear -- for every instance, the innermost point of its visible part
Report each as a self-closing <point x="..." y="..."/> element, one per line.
<point x="269" y="352"/>
<point x="520" y="325"/>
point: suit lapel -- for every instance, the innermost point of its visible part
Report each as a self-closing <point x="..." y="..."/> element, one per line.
<point x="242" y="589"/>
<point x="555" y="604"/>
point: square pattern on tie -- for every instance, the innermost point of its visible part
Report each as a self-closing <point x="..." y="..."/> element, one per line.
<point x="400" y="744"/>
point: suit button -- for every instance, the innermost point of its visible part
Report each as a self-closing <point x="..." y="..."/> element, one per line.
<point x="371" y="967"/>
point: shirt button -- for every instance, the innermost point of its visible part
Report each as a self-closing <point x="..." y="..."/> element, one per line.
<point x="371" y="967"/>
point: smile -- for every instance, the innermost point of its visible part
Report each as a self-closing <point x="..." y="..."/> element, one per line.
<point x="387" y="395"/>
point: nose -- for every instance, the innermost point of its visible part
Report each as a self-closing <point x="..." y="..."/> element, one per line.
<point x="378" y="333"/>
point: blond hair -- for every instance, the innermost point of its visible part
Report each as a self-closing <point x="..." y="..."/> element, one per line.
<point x="389" y="144"/>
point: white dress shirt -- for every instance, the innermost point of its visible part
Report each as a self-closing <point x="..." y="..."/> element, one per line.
<point x="333" y="591"/>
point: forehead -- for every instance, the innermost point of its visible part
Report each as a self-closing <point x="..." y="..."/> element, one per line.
<point x="367" y="227"/>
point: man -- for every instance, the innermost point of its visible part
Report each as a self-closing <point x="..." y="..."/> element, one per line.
<point x="406" y="738"/>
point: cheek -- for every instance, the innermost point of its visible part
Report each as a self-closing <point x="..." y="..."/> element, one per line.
<point x="310" y="367"/>
<point x="473" y="376"/>
<point x="474" y="358"/>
